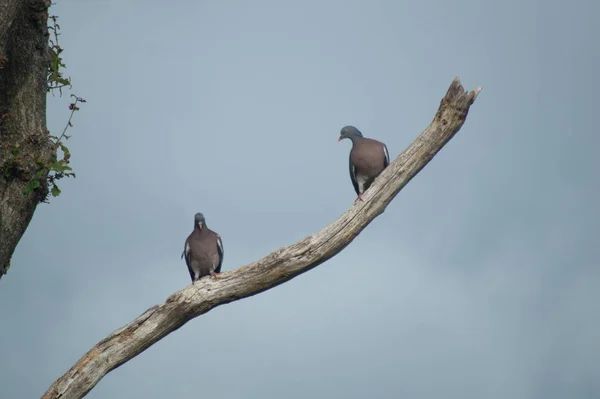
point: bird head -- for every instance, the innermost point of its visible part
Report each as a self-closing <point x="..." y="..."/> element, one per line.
<point x="349" y="132"/>
<point x="199" y="221"/>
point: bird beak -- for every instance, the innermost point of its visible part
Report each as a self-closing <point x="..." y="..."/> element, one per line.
<point x="200" y="225"/>
<point x="340" y="138"/>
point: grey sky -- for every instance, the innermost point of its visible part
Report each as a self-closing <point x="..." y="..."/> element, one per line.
<point x="481" y="280"/>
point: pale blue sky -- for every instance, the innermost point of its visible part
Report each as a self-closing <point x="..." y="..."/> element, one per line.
<point x="481" y="280"/>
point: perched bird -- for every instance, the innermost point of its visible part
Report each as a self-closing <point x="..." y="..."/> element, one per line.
<point x="203" y="250"/>
<point x="368" y="158"/>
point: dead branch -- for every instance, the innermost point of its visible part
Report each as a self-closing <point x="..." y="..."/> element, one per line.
<point x="276" y="268"/>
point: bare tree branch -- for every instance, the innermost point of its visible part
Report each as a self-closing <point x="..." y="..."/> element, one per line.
<point x="278" y="267"/>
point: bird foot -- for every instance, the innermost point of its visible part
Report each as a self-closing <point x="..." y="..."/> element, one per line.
<point x="215" y="275"/>
<point x="359" y="198"/>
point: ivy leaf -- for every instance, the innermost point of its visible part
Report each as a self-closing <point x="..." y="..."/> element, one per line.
<point x="29" y="188"/>
<point x="61" y="168"/>
<point x="63" y="81"/>
<point x="38" y="175"/>
<point x="64" y="148"/>
<point x="54" y="61"/>
<point x="55" y="191"/>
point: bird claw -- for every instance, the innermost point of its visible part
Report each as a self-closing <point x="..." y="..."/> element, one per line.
<point x="359" y="198"/>
<point x="215" y="275"/>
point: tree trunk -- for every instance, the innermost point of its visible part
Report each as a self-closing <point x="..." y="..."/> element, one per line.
<point x="280" y="266"/>
<point x="24" y="139"/>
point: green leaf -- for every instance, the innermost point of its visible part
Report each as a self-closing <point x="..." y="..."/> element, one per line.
<point x="64" y="148"/>
<point x="61" y="168"/>
<point x="55" y="191"/>
<point x="54" y="60"/>
<point x="63" y="81"/>
<point x="28" y="189"/>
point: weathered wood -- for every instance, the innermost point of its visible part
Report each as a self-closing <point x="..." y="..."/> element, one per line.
<point x="278" y="267"/>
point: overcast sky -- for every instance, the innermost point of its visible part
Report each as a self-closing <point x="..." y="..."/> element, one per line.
<point x="481" y="280"/>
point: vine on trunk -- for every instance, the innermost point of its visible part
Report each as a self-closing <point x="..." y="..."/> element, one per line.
<point x="48" y="174"/>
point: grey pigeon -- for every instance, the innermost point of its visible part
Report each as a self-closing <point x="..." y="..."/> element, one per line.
<point x="368" y="158"/>
<point x="203" y="250"/>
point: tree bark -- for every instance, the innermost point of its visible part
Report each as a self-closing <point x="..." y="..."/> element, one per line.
<point x="24" y="139"/>
<point x="276" y="268"/>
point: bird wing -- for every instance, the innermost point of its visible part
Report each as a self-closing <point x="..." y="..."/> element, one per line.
<point x="187" y="253"/>
<point x="221" y="253"/>
<point x="386" y="162"/>
<point x="353" y="175"/>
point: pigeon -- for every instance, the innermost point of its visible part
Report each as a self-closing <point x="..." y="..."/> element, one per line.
<point x="368" y="158"/>
<point x="203" y="251"/>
